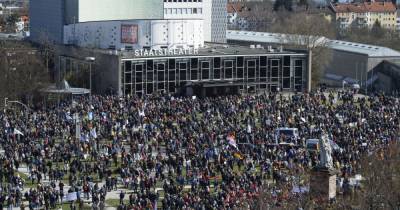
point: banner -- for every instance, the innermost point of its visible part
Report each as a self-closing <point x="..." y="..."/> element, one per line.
<point x="129" y="34"/>
<point x="72" y="196"/>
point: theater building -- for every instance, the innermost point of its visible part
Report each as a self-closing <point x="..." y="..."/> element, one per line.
<point x="156" y="46"/>
<point x="216" y="69"/>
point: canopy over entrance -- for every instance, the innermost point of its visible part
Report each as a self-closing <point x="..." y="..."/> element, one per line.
<point x="64" y="88"/>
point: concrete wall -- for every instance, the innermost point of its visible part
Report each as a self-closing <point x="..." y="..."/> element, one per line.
<point x="100" y="10"/>
<point x="46" y="20"/>
<point x="388" y="76"/>
<point x="384" y="83"/>
<point x="71" y="11"/>
<point x="151" y="33"/>
<point x="219" y="21"/>
<point x="48" y="17"/>
<point x="348" y="64"/>
<point x="213" y="12"/>
<point x="107" y="73"/>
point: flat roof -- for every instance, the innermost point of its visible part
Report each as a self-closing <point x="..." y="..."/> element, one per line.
<point x="370" y="50"/>
<point x="276" y="38"/>
<point x="212" y="49"/>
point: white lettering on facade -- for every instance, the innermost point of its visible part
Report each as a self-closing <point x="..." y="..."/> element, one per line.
<point x="165" y="52"/>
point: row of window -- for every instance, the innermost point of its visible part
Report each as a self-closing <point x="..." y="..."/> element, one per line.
<point x="364" y="14"/>
<point x="216" y="62"/>
<point x="249" y="73"/>
<point x="183" y="11"/>
<point x="162" y="71"/>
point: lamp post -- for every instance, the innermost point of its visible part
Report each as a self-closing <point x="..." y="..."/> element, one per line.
<point x="90" y="60"/>
<point x="309" y="71"/>
<point x="6" y="102"/>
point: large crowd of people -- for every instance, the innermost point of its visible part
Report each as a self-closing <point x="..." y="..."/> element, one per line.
<point x="180" y="153"/>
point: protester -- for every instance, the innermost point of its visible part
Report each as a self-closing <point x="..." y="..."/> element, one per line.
<point x="202" y="153"/>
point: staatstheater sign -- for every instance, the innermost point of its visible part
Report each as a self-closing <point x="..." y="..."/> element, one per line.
<point x="165" y="52"/>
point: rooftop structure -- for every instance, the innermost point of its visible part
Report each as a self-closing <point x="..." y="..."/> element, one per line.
<point x="290" y="39"/>
<point x="370" y="50"/>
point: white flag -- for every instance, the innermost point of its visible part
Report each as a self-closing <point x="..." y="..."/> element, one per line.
<point x="90" y="116"/>
<point x="17" y="132"/>
<point x="68" y="117"/>
<point x="93" y="133"/>
<point x="141" y="113"/>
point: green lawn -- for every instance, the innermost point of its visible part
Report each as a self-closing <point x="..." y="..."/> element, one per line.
<point x="67" y="206"/>
<point x="115" y="202"/>
<point x="28" y="183"/>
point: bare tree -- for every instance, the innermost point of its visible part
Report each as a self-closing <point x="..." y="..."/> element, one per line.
<point x="310" y="32"/>
<point x="380" y="185"/>
<point x="377" y="35"/>
<point x="22" y="71"/>
<point x="380" y="188"/>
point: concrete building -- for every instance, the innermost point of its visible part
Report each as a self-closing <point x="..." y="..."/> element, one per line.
<point x="136" y="34"/>
<point x="212" y="12"/>
<point x="78" y="11"/>
<point x="241" y="17"/>
<point x="351" y="62"/>
<point x="366" y="14"/>
<point x="213" y="70"/>
<point x="398" y="21"/>
<point x="143" y="53"/>
<point x="48" y="17"/>
<point x="389" y="76"/>
<point x="47" y="20"/>
<point x="358" y="63"/>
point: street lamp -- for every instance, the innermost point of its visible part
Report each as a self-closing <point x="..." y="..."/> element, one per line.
<point x="6" y="102"/>
<point x="90" y="60"/>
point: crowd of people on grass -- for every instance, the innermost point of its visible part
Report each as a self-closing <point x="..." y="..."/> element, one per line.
<point x="182" y="153"/>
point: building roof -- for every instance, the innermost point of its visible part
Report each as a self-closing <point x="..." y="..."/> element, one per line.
<point x="370" y="50"/>
<point x="349" y="7"/>
<point x="380" y="6"/>
<point x="239" y="8"/>
<point x="276" y="38"/>
<point x="233" y="7"/>
<point x="216" y="50"/>
<point x="364" y="7"/>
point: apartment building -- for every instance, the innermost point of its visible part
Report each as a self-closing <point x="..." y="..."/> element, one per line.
<point x="365" y="14"/>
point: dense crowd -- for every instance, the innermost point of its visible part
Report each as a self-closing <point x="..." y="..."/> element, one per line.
<point x="210" y="153"/>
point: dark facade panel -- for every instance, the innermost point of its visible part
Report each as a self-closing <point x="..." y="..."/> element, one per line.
<point x="46" y="20"/>
<point x="247" y="73"/>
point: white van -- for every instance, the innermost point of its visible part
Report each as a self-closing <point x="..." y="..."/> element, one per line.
<point x="290" y="135"/>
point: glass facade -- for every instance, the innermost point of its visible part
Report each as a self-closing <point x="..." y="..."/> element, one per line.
<point x="255" y="73"/>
